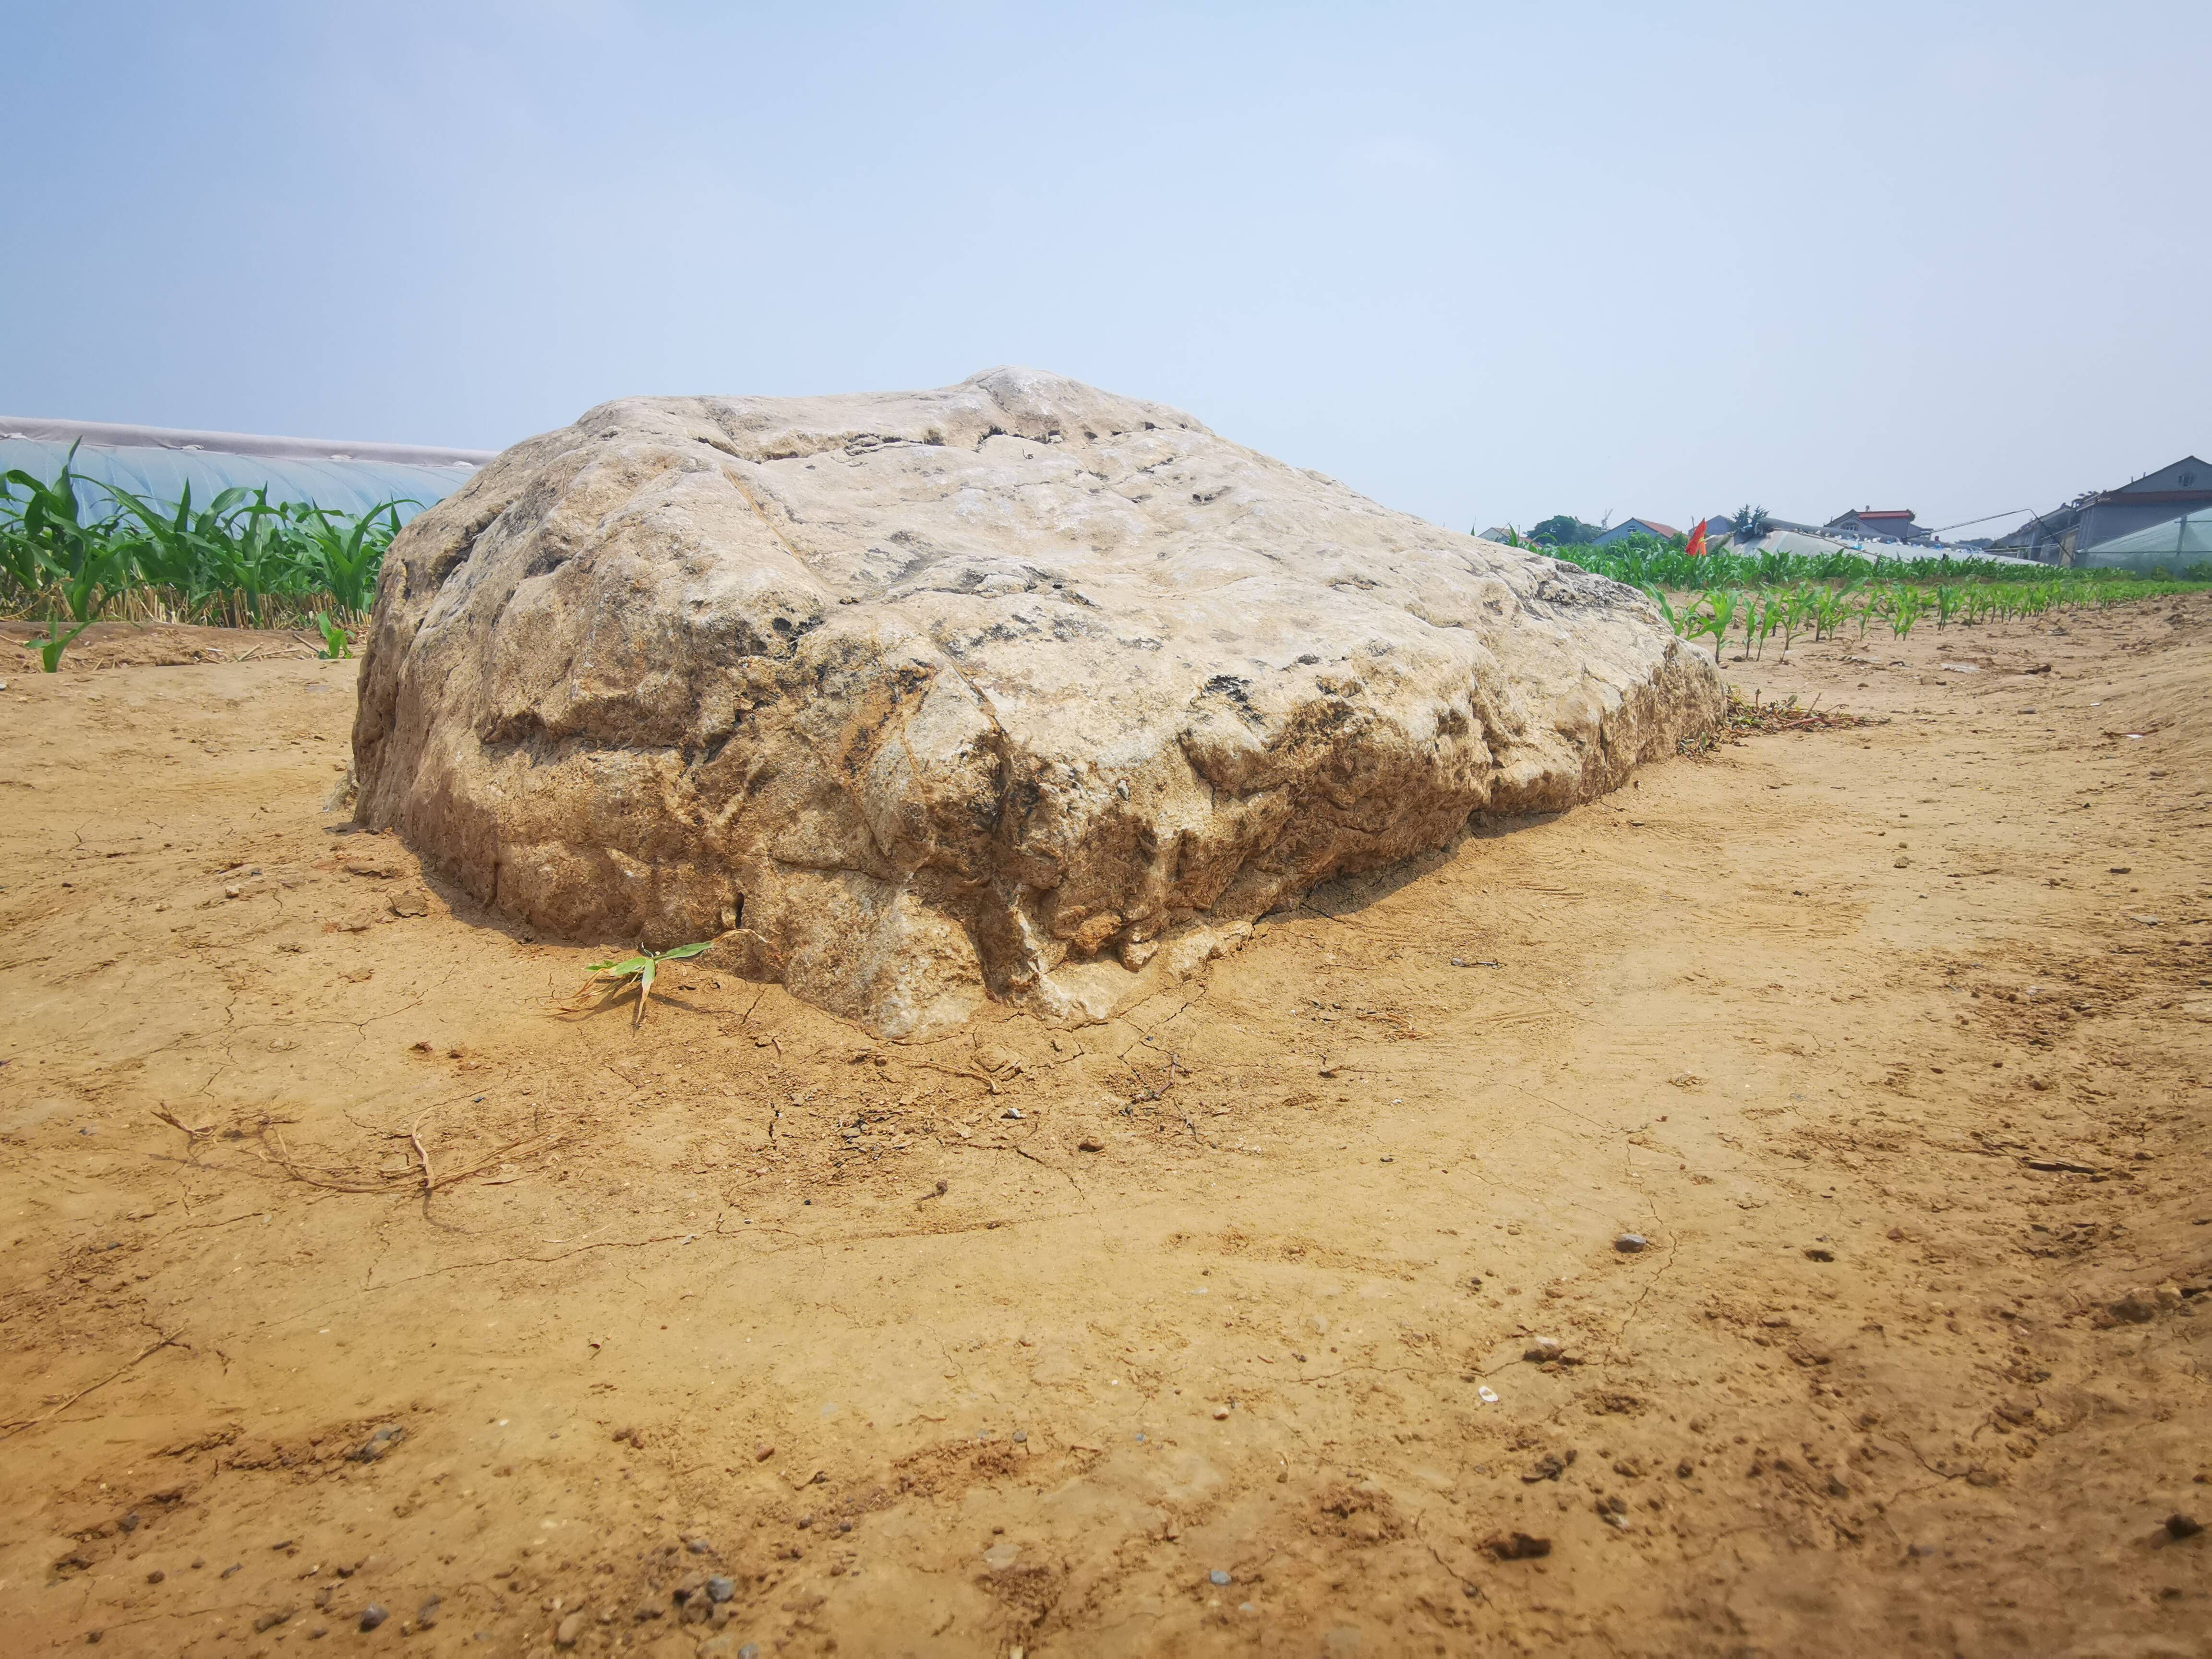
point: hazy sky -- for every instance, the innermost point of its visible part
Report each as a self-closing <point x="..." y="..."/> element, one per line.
<point x="1483" y="263"/>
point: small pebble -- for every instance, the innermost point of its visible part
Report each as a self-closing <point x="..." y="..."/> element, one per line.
<point x="1218" y="1576"/>
<point x="696" y="1546"/>
<point x="763" y="1452"/>
<point x="155" y="1577"/>
<point x="375" y="1615"/>
<point x="1630" y="1243"/>
<point x="569" y="1631"/>
<point x="1542" y="1349"/>
<point x="720" y="1590"/>
<point x="1220" y="1413"/>
<point x="2178" y="1525"/>
<point x="1012" y="1111"/>
<point x="236" y="1567"/>
<point x="377" y="1444"/>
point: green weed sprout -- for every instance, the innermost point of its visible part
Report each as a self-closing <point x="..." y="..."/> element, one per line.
<point x="642" y="968"/>
<point x="336" y="642"/>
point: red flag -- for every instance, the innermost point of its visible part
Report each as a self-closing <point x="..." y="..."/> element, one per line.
<point x="1696" y="549"/>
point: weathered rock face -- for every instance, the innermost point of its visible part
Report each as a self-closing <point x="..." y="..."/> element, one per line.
<point x="1000" y="690"/>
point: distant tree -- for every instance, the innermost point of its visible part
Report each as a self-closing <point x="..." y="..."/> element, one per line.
<point x="1751" y="522"/>
<point x="1563" y="530"/>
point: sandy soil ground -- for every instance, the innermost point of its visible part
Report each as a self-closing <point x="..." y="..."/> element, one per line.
<point x="141" y="645"/>
<point x="355" y="1263"/>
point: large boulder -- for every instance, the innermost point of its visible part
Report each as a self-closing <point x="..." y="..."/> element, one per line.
<point x="1015" y="689"/>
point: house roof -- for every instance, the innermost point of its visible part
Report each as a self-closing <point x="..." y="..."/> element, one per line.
<point x="2188" y="473"/>
<point x="1634" y="527"/>
<point x="1865" y="512"/>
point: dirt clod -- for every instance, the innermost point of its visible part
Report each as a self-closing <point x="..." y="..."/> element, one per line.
<point x="1520" y="1546"/>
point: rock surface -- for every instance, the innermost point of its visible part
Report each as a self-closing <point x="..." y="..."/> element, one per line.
<point x="1014" y="689"/>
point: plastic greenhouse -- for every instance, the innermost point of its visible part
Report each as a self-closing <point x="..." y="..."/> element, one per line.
<point x="156" y="462"/>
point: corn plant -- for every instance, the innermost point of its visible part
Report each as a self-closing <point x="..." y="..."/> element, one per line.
<point x="70" y="555"/>
<point x="1904" y="604"/>
<point x="80" y="566"/>
<point x="1830" y="606"/>
<point x="177" y="543"/>
<point x="1762" y="618"/>
<point x="348" y="554"/>
<point x="1719" y="609"/>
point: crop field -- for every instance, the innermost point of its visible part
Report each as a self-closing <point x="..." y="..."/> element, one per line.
<point x="74" y="551"/>
<point x="1749" y="599"/>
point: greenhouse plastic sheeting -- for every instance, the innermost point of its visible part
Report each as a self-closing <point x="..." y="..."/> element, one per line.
<point x="2178" y="541"/>
<point x="155" y="463"/>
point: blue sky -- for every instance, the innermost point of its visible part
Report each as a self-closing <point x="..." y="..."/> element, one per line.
<point x="1482" y="263"/>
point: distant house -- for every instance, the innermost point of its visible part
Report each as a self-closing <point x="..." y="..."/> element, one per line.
<point x="1719" y="525"/>
<point x="1891" y="523"/>
<point x="1665" y="533"/>
<point x="2084" y="530"/>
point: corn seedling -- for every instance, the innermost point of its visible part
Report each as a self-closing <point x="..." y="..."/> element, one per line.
<point x="1720" y="609"/>
<point x="1767" y="611"/>
<point x="349" y="556"/>
<point x="642" y="968"/>
<point x="80" y="569"/>
<point x="1796" y="613"/>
